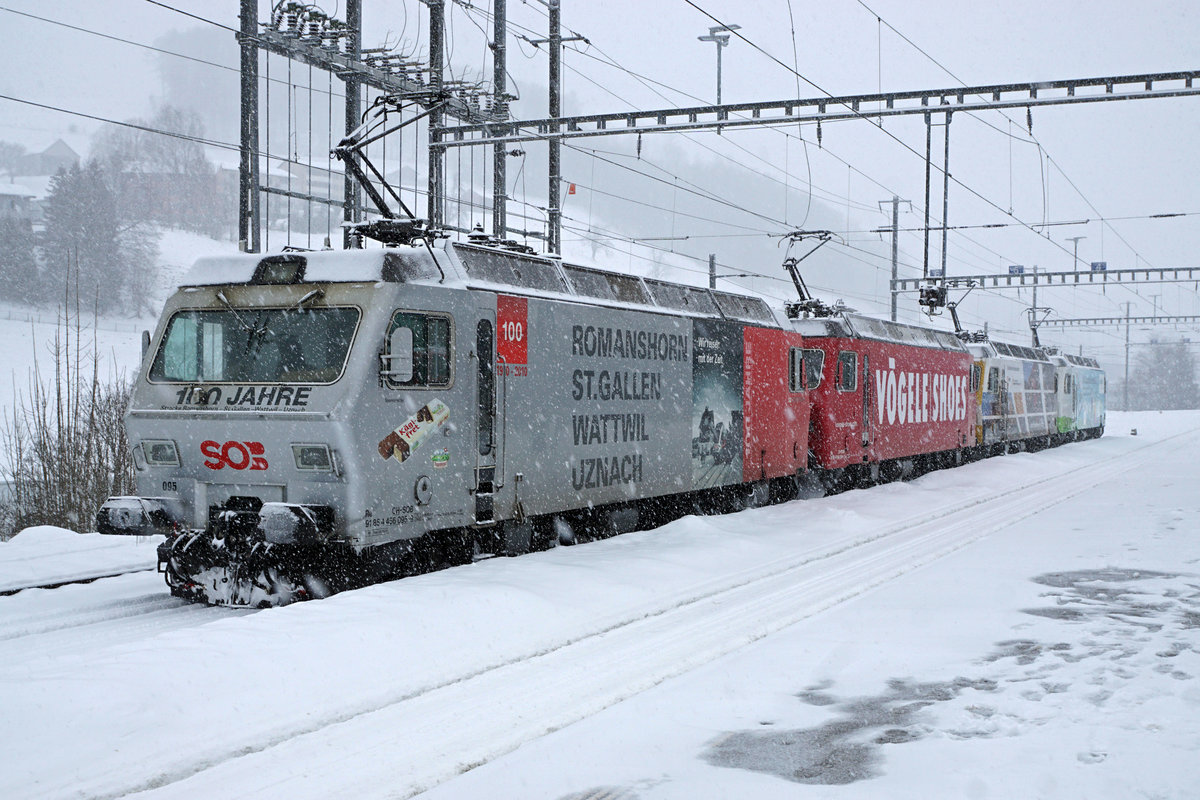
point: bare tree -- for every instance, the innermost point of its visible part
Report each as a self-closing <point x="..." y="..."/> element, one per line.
<point x="63" y="451"/>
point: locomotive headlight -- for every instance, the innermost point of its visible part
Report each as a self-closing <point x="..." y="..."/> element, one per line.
<point x="312" y="457"/>
<point x="160" y="453"/>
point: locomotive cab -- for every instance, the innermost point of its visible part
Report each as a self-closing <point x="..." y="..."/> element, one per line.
<point x="266" y="381"/>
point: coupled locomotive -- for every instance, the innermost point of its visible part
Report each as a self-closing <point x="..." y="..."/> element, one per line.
<point x="308" y="422"/>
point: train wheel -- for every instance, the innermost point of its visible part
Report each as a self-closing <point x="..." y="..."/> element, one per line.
<point x="756" y="494"/>
<point x="564" y="531"/>
<point x="784" y="489"/>
<point x="458" y="548"/>
<point x="545" y="535"/>
<point x="831" y="479"/>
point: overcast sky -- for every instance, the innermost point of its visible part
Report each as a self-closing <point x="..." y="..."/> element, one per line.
<point x="1124" y="159"/>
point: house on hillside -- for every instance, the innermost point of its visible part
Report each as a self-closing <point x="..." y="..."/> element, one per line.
<point x="57" y="156"/>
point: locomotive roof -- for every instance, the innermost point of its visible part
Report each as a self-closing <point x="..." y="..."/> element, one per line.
<point x="1063" y="359"/>
<point x="847" y="325"/>
<point x="993" y="348"/>
<point x="323" y="266"/>
<point x="483" y="267"/>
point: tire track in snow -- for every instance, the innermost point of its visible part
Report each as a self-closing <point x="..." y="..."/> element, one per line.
<point x="468" y="720"/>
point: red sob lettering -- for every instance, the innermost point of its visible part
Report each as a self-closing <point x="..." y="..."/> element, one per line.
<point x="234" y="454"/>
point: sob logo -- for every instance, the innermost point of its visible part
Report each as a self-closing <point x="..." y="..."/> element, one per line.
<point x="235" y="455"/>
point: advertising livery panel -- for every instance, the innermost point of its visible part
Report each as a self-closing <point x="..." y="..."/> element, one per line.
<point x="606" y="394"/>
<point x="609" y="394"/>
<point x="718" y="423"/>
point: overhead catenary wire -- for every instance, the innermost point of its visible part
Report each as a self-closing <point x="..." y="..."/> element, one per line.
<point x="1033" y="139"/>
<point x="167" y="6"/>
<point x="142" y="45"/>
<point x="651" y="83"/>
<point x="865" y="115"/>
<point x="971" y="190"/>
<point x="469" y="7"/>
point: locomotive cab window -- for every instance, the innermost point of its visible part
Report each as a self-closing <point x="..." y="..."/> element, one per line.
<point x="796" y="376"/>
<point x="847" y="371"/>
<point x="417" y="352"/>
<point x="255" y="345"/>
<point x="814" y="367"/>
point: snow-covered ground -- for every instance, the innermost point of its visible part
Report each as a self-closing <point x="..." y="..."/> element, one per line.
<point x="45" y="555"/>
<point x="1028" y="626"/>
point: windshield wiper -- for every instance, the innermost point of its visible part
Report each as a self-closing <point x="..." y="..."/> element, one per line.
<point x="236" y="315"/>
<point x="315" y="294"/>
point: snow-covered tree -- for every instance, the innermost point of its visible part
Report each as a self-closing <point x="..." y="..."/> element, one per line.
<point x="18" y="260"/>
<point x="1164" y="377"/>
<point x="86" y="248"/>
<point x="159" y="173"/>
<point x="10" y="156"/>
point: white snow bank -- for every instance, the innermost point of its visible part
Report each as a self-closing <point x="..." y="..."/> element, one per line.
<point x="45" y="555"/>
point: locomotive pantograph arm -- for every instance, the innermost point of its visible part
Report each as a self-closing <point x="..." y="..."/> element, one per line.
<point x="352" y="151"/>
<point x="807" y="302"/>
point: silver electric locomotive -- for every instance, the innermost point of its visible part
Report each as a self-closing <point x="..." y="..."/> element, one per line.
<point x="308" y="422"/>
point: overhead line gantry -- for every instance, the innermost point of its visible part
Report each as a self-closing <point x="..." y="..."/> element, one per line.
<point x="792" y="111"/>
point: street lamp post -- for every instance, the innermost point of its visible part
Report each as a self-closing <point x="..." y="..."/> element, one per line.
<point x="719" y="35"/>
<point x="1075" y="240"/>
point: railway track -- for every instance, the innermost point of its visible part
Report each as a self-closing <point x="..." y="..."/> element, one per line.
<point x="104" y="610"/>
<point x="400" y="744"/>
<point x="59" y="583"/>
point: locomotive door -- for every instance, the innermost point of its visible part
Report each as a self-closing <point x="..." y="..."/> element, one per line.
<point x="1004" y="405"/>
<point x="866" y="404"/>
<point x="486" y="438"/>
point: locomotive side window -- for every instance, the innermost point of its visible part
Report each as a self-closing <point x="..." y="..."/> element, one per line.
<point x="976" y="369"/>
<point x="418" y="351"/>
<point x="796" y="369"/>
<point x="993" y="382"/>
<point x="814" y="367"/>
<point x="847" y="371"/>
